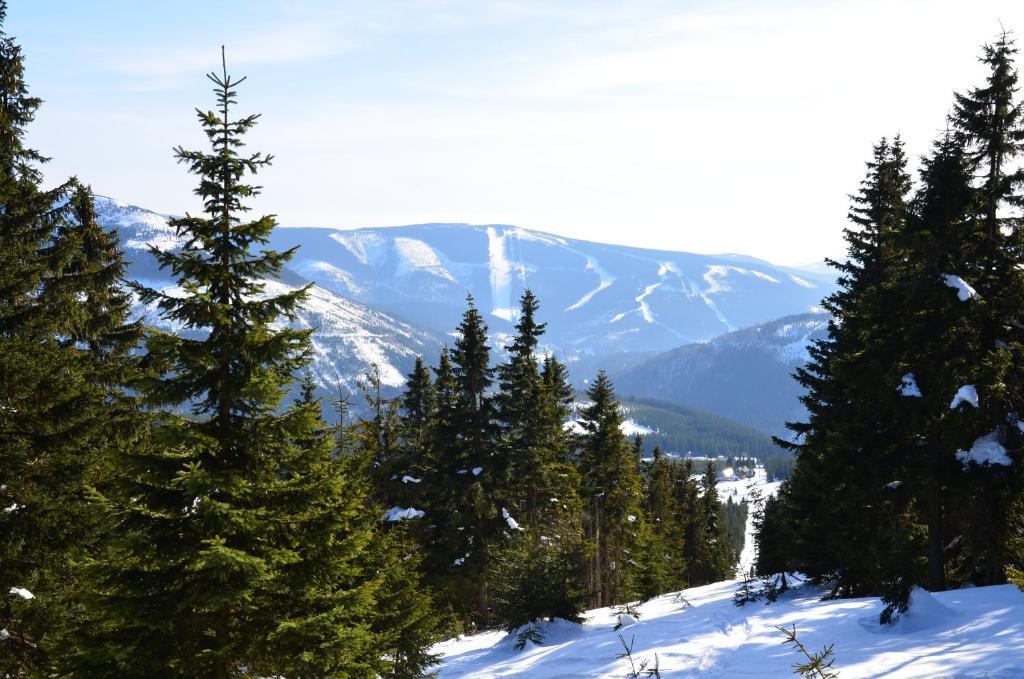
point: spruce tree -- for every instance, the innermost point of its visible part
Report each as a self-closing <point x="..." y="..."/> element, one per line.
<point x="666" y="525"/>
<point x="537" y="574"/>
<point x="713" y="558"/>
<point x="61" y="374"/>
<point x="483" y="470"/>
<point x="612" y="494"/>
<point x="519" y="410"/>
<point x="852" y="399"/>
<point x="991" y="118"/>
<point x="240" y="544"/>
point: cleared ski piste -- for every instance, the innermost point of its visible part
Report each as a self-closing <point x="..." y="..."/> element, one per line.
<point x="967" y="633"/>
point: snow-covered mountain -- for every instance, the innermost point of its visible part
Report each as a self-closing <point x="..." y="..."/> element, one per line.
<point x="385" y="295"/>
<point x="744" y="375"/>
<point x="350" y="336"/>
<point x="596" y="298"/>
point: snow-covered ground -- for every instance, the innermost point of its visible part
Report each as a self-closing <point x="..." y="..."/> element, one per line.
<point x="968" y="633"/>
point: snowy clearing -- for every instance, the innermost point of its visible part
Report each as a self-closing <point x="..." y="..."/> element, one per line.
<point x="963" y="633"/>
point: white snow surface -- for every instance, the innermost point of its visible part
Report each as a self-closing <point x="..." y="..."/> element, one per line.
<point x="632" y="428"/>
<point x="512" y="523"/>
<point x="604" y="281"/>
<point x="401" y="514"/>
<point x="986" y="450"/>
<point x="964" y="291"/>
<point x="908" y="386"/>
<point x="415" y="255"/>
<point x="738" y="490"/>
<point x="965" y="394"/>
<point x="500" y="275"/>
<point x="968" y="633"/>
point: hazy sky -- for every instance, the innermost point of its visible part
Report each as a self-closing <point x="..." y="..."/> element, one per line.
<point x="700" y="126"/>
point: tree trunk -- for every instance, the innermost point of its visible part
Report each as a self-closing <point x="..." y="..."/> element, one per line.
<point x="936" y="565"/>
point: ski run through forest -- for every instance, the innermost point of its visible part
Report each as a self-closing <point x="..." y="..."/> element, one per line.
<point x="177" y="504"/>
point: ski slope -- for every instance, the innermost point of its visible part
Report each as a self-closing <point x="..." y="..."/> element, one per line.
<point x="969" y="633"/>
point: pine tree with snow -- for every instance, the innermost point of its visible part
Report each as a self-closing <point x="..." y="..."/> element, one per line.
<point x="446" y="542"/>
<point x="747" y="592"/>
<point x="395" y="467"/>
<point x="465" y="493"/>
<point x="852" y="398"/>
<point x="520" y="414"/>
<point x="538" y="578"/>
<point x="240" y="541"/>
<point x="991" y="118"/>
<point x="481" y="478"/>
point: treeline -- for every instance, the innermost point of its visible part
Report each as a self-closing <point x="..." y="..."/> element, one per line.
<point x="521" y="517"/>
<point x="908" y="467"/>
<point x="169" y="511"/>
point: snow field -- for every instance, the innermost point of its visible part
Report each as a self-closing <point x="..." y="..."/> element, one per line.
<point x="969" y="633"/>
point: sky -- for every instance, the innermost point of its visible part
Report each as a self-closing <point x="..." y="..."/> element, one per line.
<point x="711" y="127"/>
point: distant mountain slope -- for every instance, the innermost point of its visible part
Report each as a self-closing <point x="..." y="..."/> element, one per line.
<point x="682" y="429"/>
<point x="596" y="298"/>
<point x="744" y="376"/>
<point x="350" y="335"/>
<point x="385" y="295"/>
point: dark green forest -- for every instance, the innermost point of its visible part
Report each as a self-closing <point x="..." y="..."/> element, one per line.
<point x="681" y="429"/>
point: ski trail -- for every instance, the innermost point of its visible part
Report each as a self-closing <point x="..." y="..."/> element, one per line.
<point x="604" y="280"/>
<point x="501" y="275"/>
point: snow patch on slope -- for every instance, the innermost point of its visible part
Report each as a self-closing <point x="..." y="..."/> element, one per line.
<point x="369" y="248"/>
<point x="415" y="255"/>
<point x="803" y="283"/>
<point x="633" y="428"/>
<point x="645" y="309"/>
<point x="316" y="268"/>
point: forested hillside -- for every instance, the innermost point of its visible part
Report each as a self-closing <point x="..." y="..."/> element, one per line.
<point x="744" y="376"/>
<point x="680" y="430"/>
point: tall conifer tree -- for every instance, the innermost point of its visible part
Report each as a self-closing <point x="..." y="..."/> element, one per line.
<point x="611" y="490"/>
<point x="241" y="542"/>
